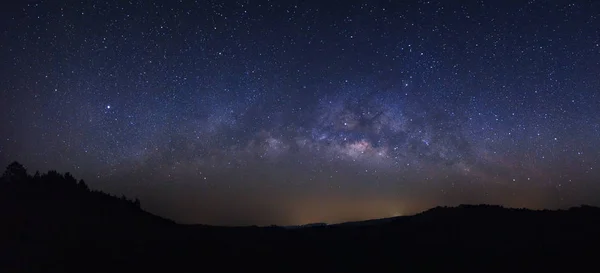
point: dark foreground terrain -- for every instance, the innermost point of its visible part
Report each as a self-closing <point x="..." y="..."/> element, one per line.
<point x="53" y="223"/>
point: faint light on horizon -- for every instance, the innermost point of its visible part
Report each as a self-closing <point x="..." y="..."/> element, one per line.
<point x="396" y="214"/>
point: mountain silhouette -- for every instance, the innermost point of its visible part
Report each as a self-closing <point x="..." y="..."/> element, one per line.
<point x="53" y="223"/>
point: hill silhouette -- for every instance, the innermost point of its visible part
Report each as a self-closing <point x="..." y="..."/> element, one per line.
<point x="53" y="223"/>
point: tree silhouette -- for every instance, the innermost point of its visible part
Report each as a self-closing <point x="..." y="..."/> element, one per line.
<point x="15" y="172"/>
<point x="82" y="185"/>
<point x="56" y="188"/>
<point x="70" y="179"/>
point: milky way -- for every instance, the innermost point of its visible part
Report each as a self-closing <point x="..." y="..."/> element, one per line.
<point x="290" y="112"/>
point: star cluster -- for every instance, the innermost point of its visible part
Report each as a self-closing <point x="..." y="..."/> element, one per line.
<point x="291" y="112"/>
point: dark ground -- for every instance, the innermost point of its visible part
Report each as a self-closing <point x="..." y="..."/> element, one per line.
<point x="52" y="223"/>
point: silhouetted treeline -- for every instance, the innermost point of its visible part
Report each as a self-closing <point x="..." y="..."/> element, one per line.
<point x="53" y="185"/>
<point x="48" y="219"/>
<point x="53" y="223"/>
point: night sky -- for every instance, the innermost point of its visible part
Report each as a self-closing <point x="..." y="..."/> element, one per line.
<point x="292" y="112"/>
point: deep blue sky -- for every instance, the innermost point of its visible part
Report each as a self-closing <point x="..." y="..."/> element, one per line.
<point x="288" y="112"/>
